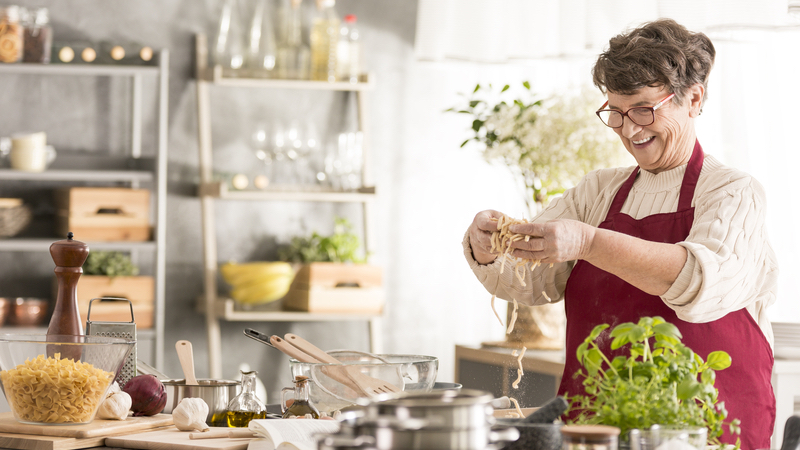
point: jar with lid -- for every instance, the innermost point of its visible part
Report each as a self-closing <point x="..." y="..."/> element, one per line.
<point x="246" y="406"/>
<point x="10" y="34"/>
<point x="589" y="437"/>
<point x="38" y="36"/>
<point x="301" y="405"/>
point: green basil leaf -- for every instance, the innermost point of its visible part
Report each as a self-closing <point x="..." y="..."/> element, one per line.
<point x="718" y="360"/>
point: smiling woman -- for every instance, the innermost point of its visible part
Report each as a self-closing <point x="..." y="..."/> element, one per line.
<point x="679" y="236"/>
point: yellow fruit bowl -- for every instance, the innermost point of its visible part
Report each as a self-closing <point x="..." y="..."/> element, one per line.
<point x="258" y="282"/>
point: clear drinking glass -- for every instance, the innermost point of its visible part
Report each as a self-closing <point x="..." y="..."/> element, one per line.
<point x="670" y="437"/>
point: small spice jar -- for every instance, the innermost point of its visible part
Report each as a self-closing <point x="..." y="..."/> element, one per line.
<point x="10" y="34"/>
<point x="38" y="36"/>
<point x="589" y="437"/>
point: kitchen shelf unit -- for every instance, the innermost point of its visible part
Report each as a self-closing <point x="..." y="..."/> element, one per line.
<point x="214" y="307"/>
<point x="131" y="170"/>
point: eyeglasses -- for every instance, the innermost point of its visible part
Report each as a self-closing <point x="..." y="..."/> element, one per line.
<point x="640" y="115"/>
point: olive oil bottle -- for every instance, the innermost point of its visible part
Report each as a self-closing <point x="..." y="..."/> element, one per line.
<point x="301" y="405"/>
<point x="246" y="406"/>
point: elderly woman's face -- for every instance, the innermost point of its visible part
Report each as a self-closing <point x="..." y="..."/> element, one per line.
<point x="668" y="141"/>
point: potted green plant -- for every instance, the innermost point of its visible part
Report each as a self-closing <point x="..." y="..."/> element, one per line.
<point x="332" y="275"/>
<point x="659" y="382"/>
<point x="113" y="274"/>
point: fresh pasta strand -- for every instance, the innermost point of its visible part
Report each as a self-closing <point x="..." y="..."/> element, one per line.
<point x="495" y="311"/>
<point x="513" y="318"/>
<point x="520" y="372"/>
<point x="516" y="405"/>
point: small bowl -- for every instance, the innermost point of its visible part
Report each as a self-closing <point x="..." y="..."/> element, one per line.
<point x="28" y="311"/>
<point x="541" y="436"/>
<point x="72" y="375"/>
<point x="410" y="373"/>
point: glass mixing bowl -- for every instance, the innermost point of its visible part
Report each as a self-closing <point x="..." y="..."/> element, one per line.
<point x="411" y="373"/>
<point x="59" y="379"/>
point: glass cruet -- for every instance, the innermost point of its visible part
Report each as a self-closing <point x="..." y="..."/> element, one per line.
<point x="302" y="404"/>
<point x="246" y="406"/>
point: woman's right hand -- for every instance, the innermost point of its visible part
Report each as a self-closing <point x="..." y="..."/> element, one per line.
<point x="480" y="235"/>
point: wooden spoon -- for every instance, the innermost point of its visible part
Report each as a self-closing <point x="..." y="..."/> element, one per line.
<point x="186" y="357"/>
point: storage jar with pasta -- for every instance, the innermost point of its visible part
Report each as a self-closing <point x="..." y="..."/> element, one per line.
<point x="10" y="34"/>
<point x="53" y="379"/>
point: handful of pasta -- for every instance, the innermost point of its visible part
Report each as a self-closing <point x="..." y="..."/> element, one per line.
<point x="55" y="390"/>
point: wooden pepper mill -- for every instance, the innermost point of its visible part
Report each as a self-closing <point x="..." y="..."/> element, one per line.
<point x="69" y="256"/>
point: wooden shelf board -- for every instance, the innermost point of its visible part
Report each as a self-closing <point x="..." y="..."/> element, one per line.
<point x="146" y="333"/>
<point x="225" y="309"/>
<point x="220" y="190"/>
<point x="214" y="75"/>
<point x="77" y="175"/>
<point x="77" y="69"/>
<point x="43" y="244"/>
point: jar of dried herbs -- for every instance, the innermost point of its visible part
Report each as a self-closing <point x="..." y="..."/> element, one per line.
<point x="10" y="34"/>
<point x="38" y="36"/>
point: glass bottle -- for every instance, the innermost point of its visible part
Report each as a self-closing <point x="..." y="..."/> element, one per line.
<point x="38" y="37"/>
<point x="246" y="406"/>
<point x="228" y="49"/>
<point x="324" y="40"/>
<point x="348" y="52"/>
<point x="10" y="34"/>
<point x="302" y="404"/>
<point x="261" y="47"/>
<point x="292" y="58"/>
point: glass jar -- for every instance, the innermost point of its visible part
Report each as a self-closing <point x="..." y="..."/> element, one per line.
<point x="589" y="437"/>
<point x="302" y="404"/>
<point x="38" y="36"/>
<point x="10" y="34"/>
<point x="246" y="406"/>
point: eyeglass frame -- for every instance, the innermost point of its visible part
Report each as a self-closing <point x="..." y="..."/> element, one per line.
<point x="652" y="110"/>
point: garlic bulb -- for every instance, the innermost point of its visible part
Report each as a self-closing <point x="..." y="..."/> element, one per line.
<point x="190" y="415"/>
<point x="116" y="405"/>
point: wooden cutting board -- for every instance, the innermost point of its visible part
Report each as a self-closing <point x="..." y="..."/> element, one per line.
<point x="172" y="438"/>
<point x="97" y="428"/>
<point x="30" y="442"/>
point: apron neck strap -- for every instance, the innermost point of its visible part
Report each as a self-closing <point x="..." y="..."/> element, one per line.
<point x="687" y="186"/>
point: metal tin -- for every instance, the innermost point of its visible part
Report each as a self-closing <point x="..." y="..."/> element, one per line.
<point x="124" y="330"/>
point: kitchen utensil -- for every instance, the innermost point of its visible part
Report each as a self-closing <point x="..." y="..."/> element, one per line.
<point x="548" y="412"/>
<point x="105" y="355"/>
<point x="791" y="434"/>
<point x="216" y="393"/>
<point x="539" y="436"/>
<point x="124" y="330"/>
<point x="370" y="385"/>
<point x="98" y="427"/>
<point x="28" y="311"/>
<point x="68" y="255"/>
<point x="146" y="369"/>
<point x="186" y="357"/>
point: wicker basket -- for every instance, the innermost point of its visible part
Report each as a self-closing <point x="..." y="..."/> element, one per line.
<point x="14" y="217"/>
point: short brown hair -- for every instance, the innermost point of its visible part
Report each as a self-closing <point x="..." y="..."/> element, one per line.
<point x="659" y="53"/>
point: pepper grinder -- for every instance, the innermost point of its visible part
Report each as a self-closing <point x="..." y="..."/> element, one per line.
<point x="69" y="256"/>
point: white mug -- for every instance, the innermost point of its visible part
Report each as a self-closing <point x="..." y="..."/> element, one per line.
<point x="30" y="153"/>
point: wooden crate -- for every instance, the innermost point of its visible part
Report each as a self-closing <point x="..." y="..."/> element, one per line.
<point x="336" y="288"/>
<point x="103" y="213"/>
<point x="139" y="290"/>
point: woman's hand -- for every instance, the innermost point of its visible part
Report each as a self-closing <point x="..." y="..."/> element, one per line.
<point x="555" y="241"/>
<point x="480" y="235"/>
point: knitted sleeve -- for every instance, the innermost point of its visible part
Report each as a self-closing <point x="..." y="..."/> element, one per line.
<point x="731" y="264"/>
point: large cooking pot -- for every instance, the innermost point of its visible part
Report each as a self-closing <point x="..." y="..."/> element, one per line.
<point x="216" y="393"/>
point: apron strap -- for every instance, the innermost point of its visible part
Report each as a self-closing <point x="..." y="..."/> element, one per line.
<point x="690" y="177"/>
<point x="622" y="194"/>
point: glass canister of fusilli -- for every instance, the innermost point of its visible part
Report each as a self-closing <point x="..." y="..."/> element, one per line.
<point x="11" y="49"/>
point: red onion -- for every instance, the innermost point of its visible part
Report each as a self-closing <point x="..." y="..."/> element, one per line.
<point x="147" y="393"/>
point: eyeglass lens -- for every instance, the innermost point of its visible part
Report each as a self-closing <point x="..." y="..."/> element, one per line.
<point x="639" y="116"/>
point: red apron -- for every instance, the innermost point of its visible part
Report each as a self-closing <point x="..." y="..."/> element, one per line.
<point x="594" y="296"/>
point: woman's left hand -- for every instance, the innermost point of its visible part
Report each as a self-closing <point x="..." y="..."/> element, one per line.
<point x="554" y="241"/>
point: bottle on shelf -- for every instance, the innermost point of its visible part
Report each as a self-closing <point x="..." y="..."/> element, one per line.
<point x="301" y="405"/>
<point x="10" y="34"/>
<point x="38" y="36"/>
<point x="228" y="49"/>
<point x="324" y="41"/>
<point x="293" y="55"/>
<point x="246" y="406"/>
<point x="348" y="52"/>
<point x="261" y="48"/>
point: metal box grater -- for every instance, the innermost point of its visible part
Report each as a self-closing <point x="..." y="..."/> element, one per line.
<point x="124" y="330"/>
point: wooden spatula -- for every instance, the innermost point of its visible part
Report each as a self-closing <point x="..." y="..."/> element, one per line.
<point x="186" y="357"/>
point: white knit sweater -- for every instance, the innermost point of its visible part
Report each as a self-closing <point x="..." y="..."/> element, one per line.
<point x="730" y="264"/>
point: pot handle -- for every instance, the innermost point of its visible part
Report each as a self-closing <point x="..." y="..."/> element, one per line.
<point x="509" y="434"/>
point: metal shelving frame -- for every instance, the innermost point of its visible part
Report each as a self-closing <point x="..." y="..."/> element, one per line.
<point x="133" y="170"/>
<point x="214" y="307"/>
